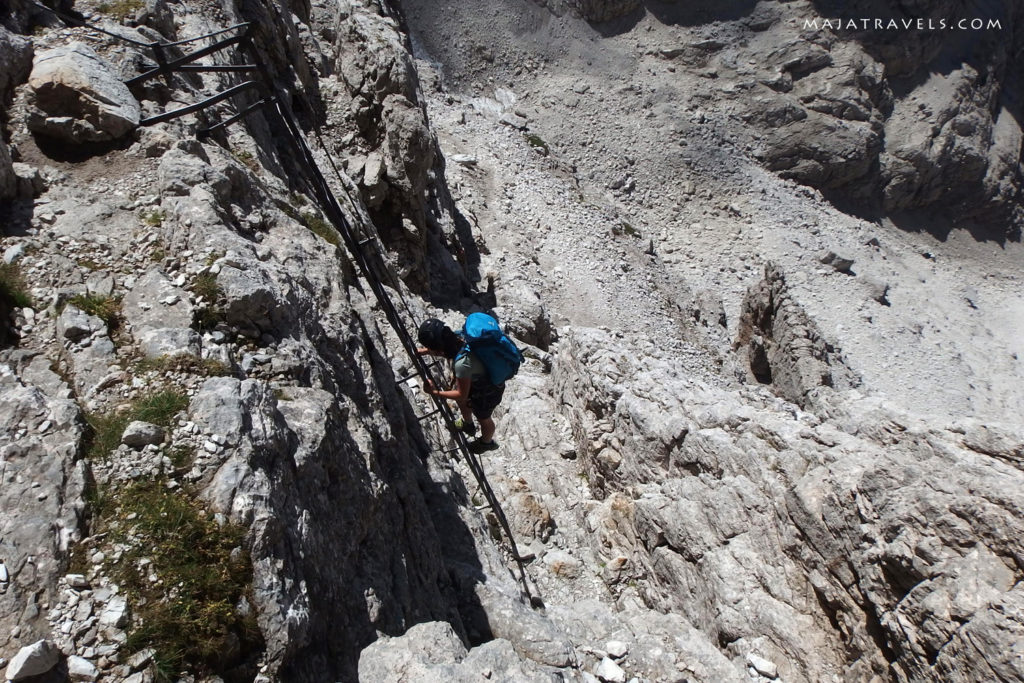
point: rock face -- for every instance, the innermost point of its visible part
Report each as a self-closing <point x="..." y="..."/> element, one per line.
<point x="594" y="10"/>
<point x="432" y="651"/>
<point x="832" y="506"/>
<point x="782" y="345"/>
<point x="78" y="98"/>
<point x="15" y="64"/>
<point x="948" y="137"/>
<point x="41" y="495"/>
<point x="680" y="519"/>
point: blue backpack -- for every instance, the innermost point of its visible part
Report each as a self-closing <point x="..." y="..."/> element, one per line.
<point x="495" y="350"/>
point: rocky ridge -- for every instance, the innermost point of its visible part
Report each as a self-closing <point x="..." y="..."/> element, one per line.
<point x="685" y="521"/>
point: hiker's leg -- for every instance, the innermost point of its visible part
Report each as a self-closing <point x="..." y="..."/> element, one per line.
<point x="486" y="429"/>
<point x="464" y="408"/>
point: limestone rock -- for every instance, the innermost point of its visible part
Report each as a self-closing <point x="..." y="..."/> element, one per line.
<point x="41" y="497"/>
<point x="432" y="651"/>
<point x="763" y="666"/>
<point x="562" y="564"/>
<point x="532" y="636"/>
<point x="33" y="660"/>
<point x="15" y="64"/>
<point x="140" y="434"/>
<point x="115" y="612"/>
<point x="413" y="654"/>
<point x="81" y="669"/>
<point x="838" y="263"/>
<point x="610" y="672"/>
<point x="529" y="516"/>
<point x="699" y="527"/>
<point x="15" y="61"/>
<point x="90" y="351"/>
<point x="823" y="152"/>
<point x="160" y="315"/>
<point x="253" y="298"/>
<point x="78" y="98"/>
<point x="783" y="346"/>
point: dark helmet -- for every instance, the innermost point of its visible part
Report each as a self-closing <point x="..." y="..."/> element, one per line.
<point x="432" y="334"/>
<point x="437" y="336"/>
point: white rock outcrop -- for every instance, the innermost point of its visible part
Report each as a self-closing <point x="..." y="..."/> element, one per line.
<point x="78" y="98"/>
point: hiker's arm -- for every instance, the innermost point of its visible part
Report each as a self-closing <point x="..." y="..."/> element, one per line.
<point x="459" y="393"/>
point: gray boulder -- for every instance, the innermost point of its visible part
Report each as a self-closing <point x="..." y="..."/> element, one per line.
<point x="77" y="97"/>
<point x="32" y="660"/>
<point x="822" y="151"/>
<point x="74" y="324"/>
<point x="139" y="434"/>
<point x="81" y="669"/>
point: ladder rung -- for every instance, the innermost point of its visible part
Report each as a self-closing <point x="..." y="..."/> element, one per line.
<point x="167" y="116"/>
<point x="365" y="241"/>
<point x="205" y="132"/>
<point x="211" y="67"/>
<point x="430" y="414"/>
<point x="416" y="373"/>
<point x="406" y="378"/>
<point x="171" y="66"/>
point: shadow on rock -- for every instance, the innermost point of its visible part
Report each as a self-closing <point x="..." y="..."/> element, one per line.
<point x="60" y="150"/>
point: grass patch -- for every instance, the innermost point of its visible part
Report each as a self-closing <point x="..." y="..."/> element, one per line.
<point x="154" y="218"/>
<point x="321" y="227"/>
<point x="13" y="287"/>
<point x="247" y="158"/>
<point x="537" y="143"/>
<point x="106" y="429"/>
<point x="189" y="613"/>
<point x="297" y="200"/>
<point x="107" y="309"/>
<point x="184" y="362"/>
<point x="208" y="318"/>
<point x="120" y="9"/>
<point x="205" y="285"/>
<point x="89" y="264"/>
<point x="159" y="408"/>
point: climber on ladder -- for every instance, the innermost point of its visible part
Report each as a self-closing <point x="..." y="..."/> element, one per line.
<point x="483" y="359"/>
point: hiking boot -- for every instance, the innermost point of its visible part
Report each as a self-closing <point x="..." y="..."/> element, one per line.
<point x="469" y="429"/>
<point x="479" y="446"/>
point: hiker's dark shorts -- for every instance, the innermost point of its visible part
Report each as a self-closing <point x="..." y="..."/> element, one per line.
<point x="484" y="397"/>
